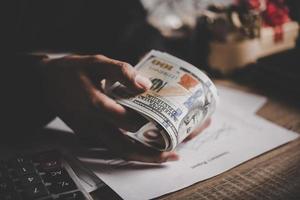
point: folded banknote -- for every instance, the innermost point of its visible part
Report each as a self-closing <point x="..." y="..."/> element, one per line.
<point x="181" y="98"/>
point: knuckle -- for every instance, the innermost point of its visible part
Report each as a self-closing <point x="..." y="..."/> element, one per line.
<point x="97" y="58"/>
<point x="161" y="159"/>
<point x="96" y="103"/>
<point x="100" y="56"/>
<point x="124" y="67"/>
<point x="127" y="71"/>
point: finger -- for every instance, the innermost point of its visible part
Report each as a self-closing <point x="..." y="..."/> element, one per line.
<point x="160" y="157"/>
<point x="123" y="147"/>
<point x="115" y="70"/>
<point x="116" y="114"/>
<point x="104" y="108"/>
<point x="135" y="151"/>
<point x="198" y="130"/>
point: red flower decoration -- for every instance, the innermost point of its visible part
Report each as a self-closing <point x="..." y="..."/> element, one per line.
<point x="276" y="13"/>
<point x="253" y="4"/>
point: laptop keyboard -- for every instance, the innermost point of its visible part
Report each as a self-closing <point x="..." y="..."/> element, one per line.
<point x="41" y="176"/>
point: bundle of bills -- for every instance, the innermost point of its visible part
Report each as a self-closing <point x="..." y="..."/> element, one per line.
<point x="181" y="98"/>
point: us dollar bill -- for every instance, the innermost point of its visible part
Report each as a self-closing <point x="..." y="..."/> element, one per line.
<point x="181" y="98"/>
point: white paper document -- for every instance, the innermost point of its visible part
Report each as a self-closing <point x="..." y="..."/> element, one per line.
<point x="235" y="136"/>
<point x="228" y="142"/>
<point x="239" y="101"/>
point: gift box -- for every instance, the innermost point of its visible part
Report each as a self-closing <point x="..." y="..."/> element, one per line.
<point x="249" y="30"/>
<point x="225" y="57"/>
<point x="277" y="39"/>
<point x="230" y="55"/>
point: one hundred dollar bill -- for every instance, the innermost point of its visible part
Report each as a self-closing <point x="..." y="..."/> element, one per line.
<point x="181" y="98"/>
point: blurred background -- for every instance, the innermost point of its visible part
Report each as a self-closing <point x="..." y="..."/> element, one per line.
<point x="254" y="42"/>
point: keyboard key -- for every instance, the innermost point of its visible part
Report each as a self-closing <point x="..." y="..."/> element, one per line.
<point x="18" y="161"/>
<point x="34" y="177"/>
<point x="55" y="175"/>
<point x="62" y="186"/>
<point x="72" y="196"/>
<point x="48" y="160"/>
<point x="29" y="180"/>
<point x="49" y="165"/>
<point x="25" y="169"/>
<point x="35" y="191"/>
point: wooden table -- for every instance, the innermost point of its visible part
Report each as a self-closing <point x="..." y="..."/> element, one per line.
<point x="273" y="175"/>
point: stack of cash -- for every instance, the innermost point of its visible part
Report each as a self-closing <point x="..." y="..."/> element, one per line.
<point x="181" y="98"/>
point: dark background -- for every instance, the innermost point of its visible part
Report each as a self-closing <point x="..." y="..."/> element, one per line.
<point x="118" y="29"/>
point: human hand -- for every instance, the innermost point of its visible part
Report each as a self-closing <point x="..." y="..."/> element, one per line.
<point x="72" y="90"/>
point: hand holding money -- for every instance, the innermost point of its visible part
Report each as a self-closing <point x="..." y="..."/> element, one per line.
<point x="180" y="100"/>
<point x="73" y="93"/>
<point x="71" y="86"/>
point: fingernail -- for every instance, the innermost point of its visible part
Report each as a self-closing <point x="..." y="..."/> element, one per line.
<point x="173" y="157"/>
<point x="143" y="81"/>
